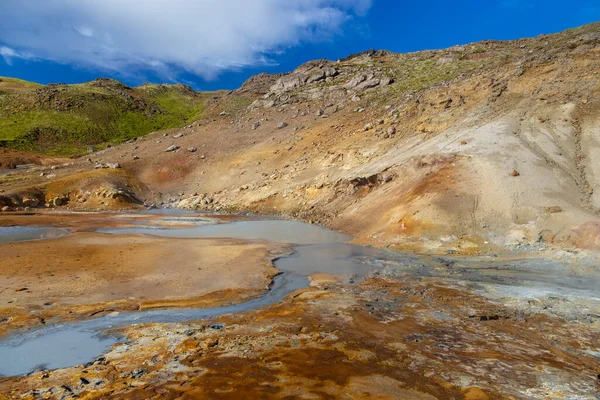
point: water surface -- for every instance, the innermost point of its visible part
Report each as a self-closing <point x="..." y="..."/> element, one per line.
<point x="10" y="234"/>
<point x="272" y="230"/>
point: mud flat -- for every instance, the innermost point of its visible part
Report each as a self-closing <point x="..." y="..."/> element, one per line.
<point x="76" y="272"/>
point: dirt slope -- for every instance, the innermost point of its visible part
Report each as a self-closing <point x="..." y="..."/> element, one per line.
<point x="472" y="149"/>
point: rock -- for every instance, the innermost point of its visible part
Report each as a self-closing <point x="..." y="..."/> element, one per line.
<point x="553" y="209"/>
<point x="255" y="125"/>
<point x="202" y="156"/>
<point x="515" y="173"/>
<point x="320" y="112"/>
<point x="368" y="84"/>
<point x="113" y="165"/>
<point x="385" y="81"/>
<point x="177" y="136"/>
<point x="222" y="113"/>
<point x="320" y="75"/>
<point x="352" y="83"/>
<point x="286" y="83"/>
<point x="385" y="178"/>
<point x="208" y="343"/>
<point x="42" y="173"/>
<point x="57" y="202"/>
<point x="391" y="131"/>
<point x="368" y="126"/>
<point x="282" y="125"/>
<point x="192" y="149"/>
<point x="136" y="158"/>
<point x="30" y="202"/>
<point x="137" y="373"/>
<point x="6" y="208"/>
<point x="463" y="142"/>
<point x="171" y="148"/>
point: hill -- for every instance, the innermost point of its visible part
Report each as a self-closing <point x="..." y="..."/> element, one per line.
<point x="60" y="119"/>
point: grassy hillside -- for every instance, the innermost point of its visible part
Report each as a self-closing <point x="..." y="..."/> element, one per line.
<point x="63" y="120"/>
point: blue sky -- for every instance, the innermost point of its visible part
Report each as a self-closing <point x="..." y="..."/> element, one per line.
<point x="218" y="44"/>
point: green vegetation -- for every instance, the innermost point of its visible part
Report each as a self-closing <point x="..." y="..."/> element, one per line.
<point x="64" y="119"/>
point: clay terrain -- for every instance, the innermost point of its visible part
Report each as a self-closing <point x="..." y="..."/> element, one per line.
<point x="467" y="181"/>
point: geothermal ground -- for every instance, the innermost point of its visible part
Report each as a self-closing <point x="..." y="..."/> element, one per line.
<point x="449" y="250"/>
<point x="404" y="326"/>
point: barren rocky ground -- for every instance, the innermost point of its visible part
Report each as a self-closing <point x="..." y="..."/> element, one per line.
<point x="481" y="159"/>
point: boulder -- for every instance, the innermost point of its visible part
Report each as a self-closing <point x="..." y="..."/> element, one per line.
<point x="352" y="83"/>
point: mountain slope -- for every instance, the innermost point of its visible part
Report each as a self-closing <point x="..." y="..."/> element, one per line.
<point x="475" y="149"/>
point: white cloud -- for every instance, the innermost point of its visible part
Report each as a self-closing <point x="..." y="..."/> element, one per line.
<point x="8" y="54"/>
<point x="85" y="31"/>
<point x="204" y="37"/>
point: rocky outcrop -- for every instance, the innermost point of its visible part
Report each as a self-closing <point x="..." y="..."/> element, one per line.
<point x="322" y="80"/>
